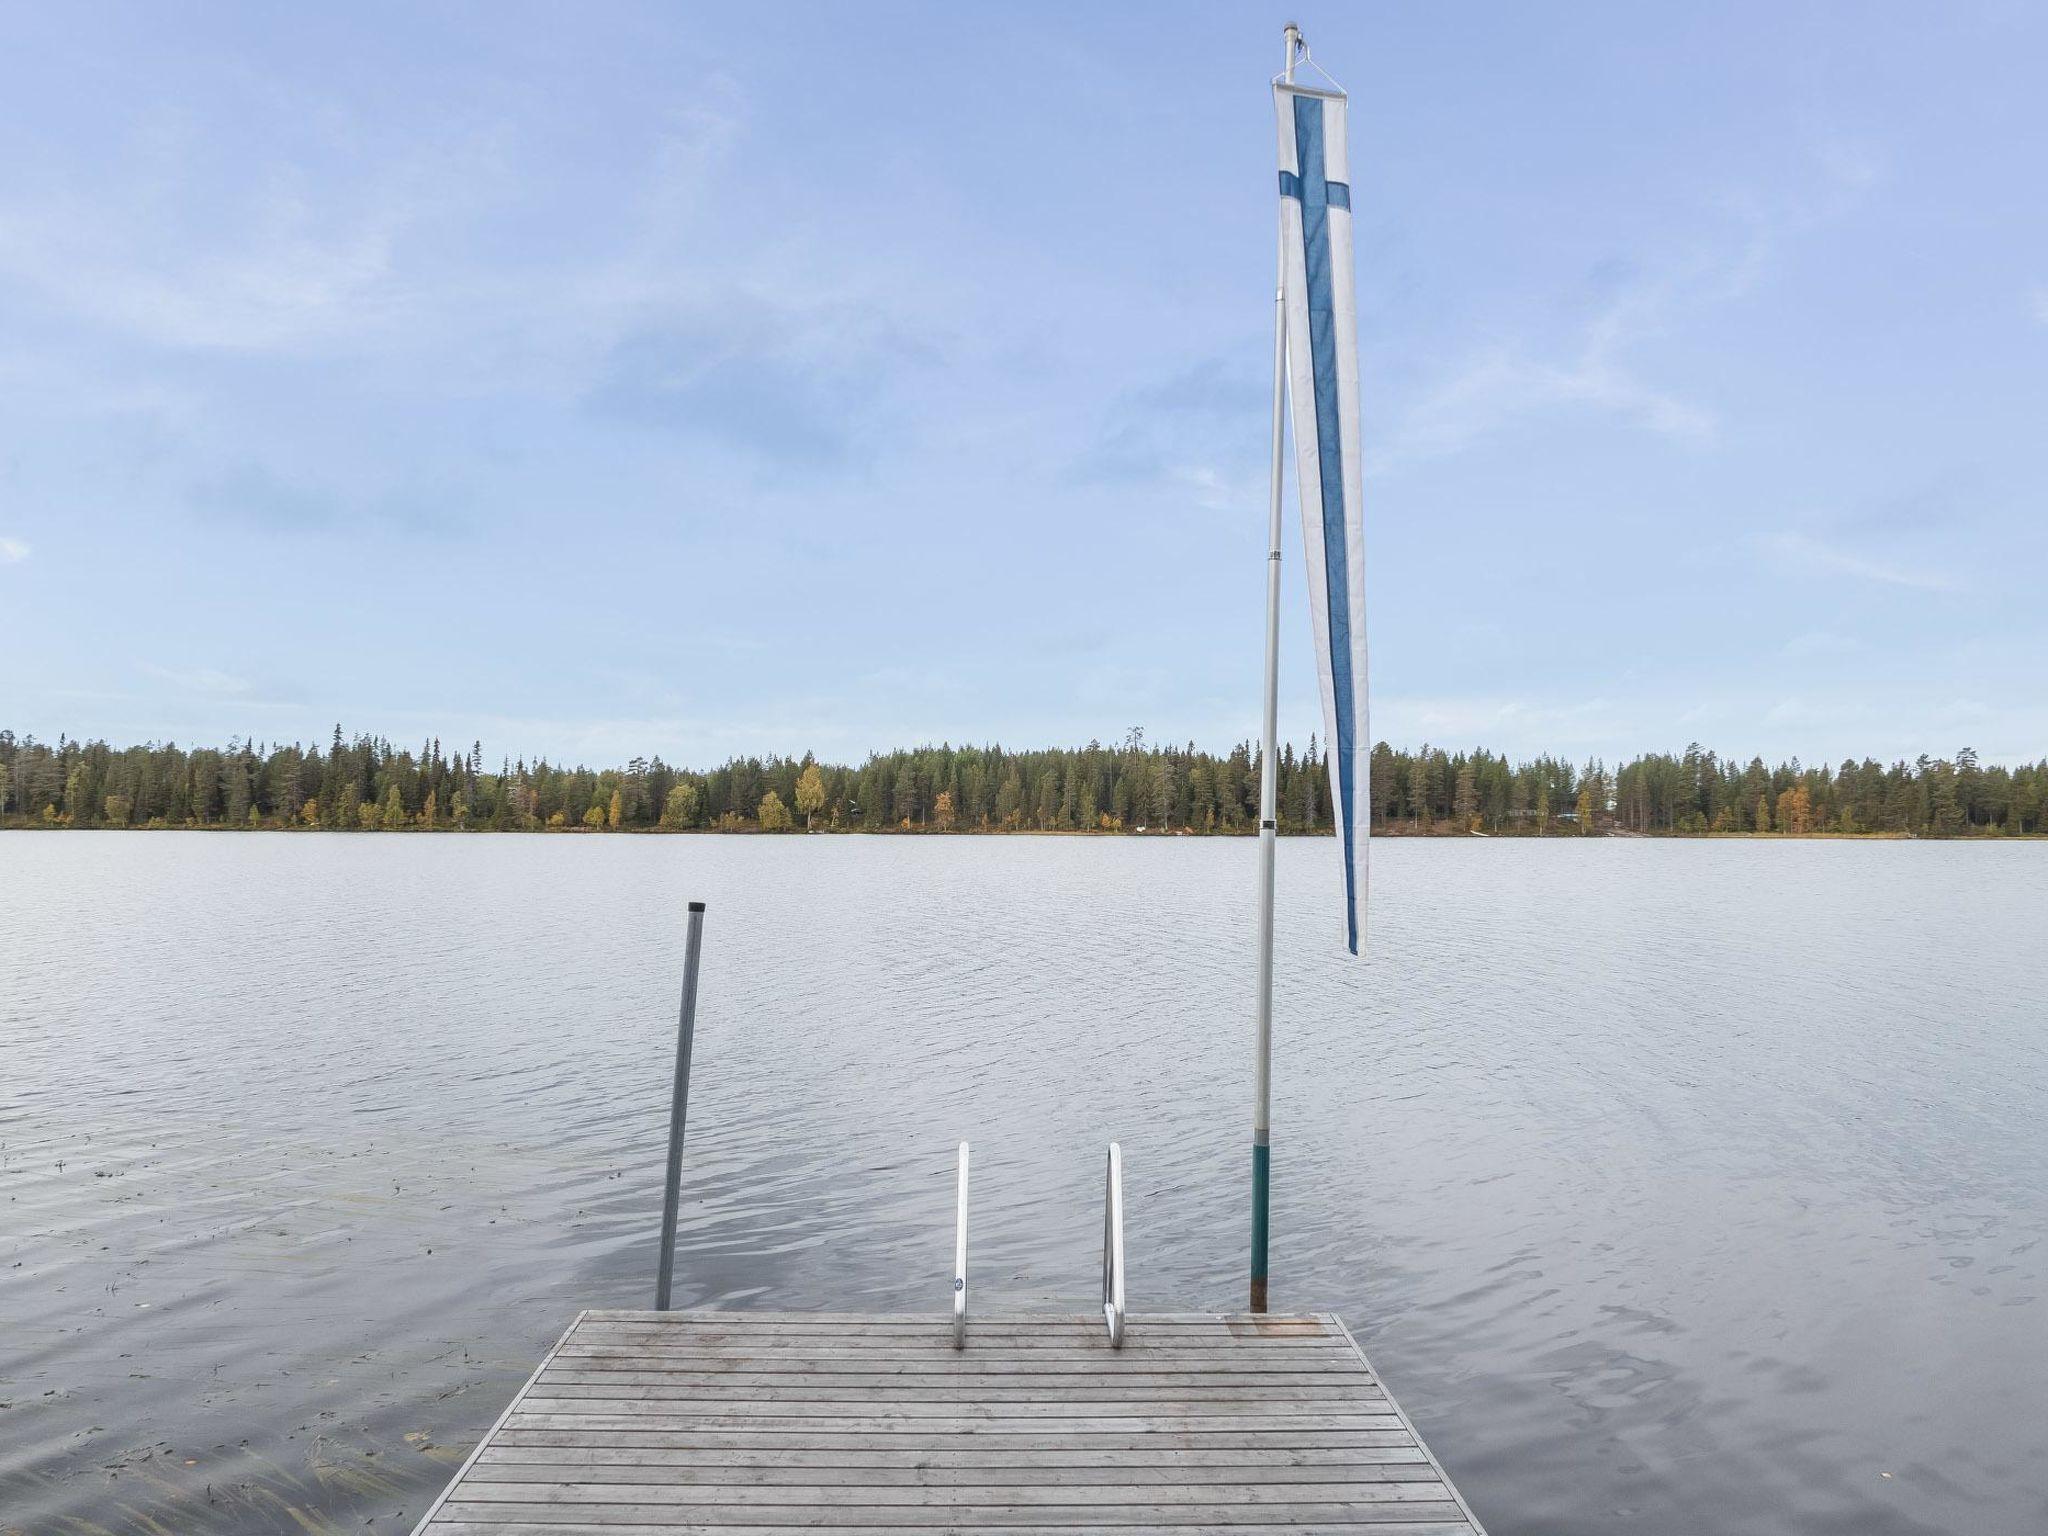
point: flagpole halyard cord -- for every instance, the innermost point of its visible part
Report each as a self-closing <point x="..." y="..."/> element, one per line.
<point x="1310" y="90"/>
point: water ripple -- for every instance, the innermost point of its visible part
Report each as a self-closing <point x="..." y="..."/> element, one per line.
<point x="1675" y="1187"/>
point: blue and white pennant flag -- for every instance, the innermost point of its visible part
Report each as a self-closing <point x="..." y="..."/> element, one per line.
<point x="1322" y="390"/>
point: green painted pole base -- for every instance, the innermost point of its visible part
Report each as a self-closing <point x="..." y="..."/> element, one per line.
<point x="1261" y="1183"/>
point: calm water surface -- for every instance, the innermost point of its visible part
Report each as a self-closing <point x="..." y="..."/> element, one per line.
<point x="1674" y="1187"/>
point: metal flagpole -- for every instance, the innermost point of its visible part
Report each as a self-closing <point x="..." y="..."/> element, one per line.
<point x="1269" y="748"/>
<point x="679" y="1107"/>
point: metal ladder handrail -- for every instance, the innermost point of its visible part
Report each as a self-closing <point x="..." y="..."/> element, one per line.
<point x="1113" y="1246"/>
<point x="960" y="1260"/>
<point x="1112" y="1249"/>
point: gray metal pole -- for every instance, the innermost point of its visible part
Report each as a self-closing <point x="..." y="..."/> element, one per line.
<point x="679" y="1107"/>
<point x="1269" y="778"/>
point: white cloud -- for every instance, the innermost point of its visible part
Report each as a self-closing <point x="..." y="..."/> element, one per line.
<point x="13" y="551"/>
<point x="1816" y="643"/>
<point x="1521" y="722"/>
<point x="271" y="274"/>
<point x="1598" y="368"/>
<point x="328" y="236"/>
<point x="203" y="680"/>
<point x="1595" y="371"/>
<point x="1215" y="489"/>
<point x="1504" y="387"/>
<point x="1805" y="549"/>
<point x="1849" y="166"/>
<point x="1965" y="712"/>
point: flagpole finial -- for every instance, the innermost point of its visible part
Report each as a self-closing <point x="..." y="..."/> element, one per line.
<point x="1294" y="47"/>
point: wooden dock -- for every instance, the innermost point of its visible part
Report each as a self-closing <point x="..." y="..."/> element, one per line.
<point x="772" y="1423"/>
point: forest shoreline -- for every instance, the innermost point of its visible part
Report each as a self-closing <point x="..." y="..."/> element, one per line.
<point x="1404" y="833"/>
<point x="1131" y="788"/>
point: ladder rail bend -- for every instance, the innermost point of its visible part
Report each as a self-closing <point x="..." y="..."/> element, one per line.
<point x="1113" y="1246"/>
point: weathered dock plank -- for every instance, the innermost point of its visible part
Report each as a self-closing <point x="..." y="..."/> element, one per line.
<point x="767" y="1424"/>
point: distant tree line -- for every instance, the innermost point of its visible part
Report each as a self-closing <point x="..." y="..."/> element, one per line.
<point x="1700" y="792"/>
<point x="365" y="783"/>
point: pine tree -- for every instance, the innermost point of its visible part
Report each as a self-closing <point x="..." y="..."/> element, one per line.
<point x="1048" y="801"/>
<point x="1465" y="803"/>
<point x="1163" y="793"/>
<point x="237" y="790"/>
<point x="1944" y="806"/>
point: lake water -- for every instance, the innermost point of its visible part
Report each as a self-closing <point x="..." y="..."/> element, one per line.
<point x="1674" y="1187"/>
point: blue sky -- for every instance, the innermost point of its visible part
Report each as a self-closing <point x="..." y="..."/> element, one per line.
<point x="610" y="379"/>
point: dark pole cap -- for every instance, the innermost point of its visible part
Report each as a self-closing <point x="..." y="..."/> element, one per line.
<point x="696" y="906"/>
